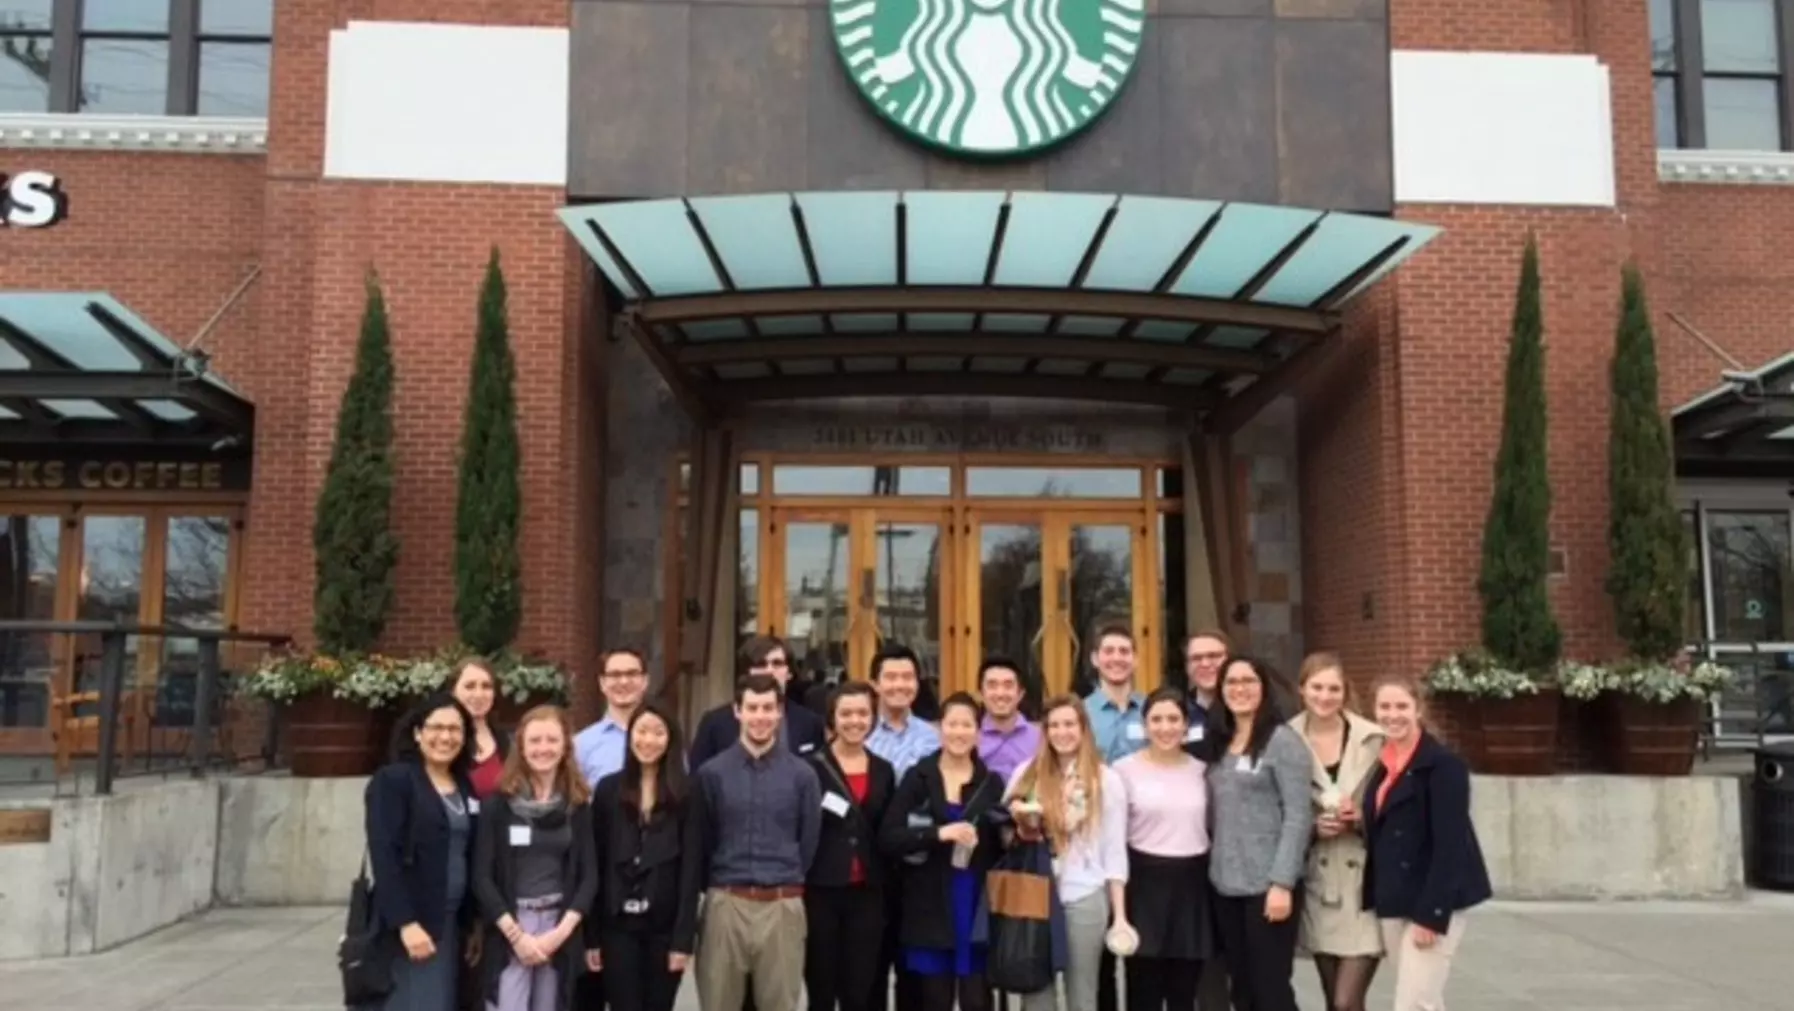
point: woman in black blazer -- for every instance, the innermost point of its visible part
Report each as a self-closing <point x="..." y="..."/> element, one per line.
<point x="947" y="802"/>
<point x="535" y="870"/>
<point x="844" y="895"/>
<point x="1424" y="867"/>
<point x="645" y="921"/>
<point x="421" y="815"/>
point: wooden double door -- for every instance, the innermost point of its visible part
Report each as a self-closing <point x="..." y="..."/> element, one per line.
<point x="1027" y="582"/>
<point x="151" y="565"/>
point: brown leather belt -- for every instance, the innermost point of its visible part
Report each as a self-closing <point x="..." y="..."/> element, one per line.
<point x="759" y="893"/>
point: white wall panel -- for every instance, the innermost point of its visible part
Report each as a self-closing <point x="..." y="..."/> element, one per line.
<point x="1501" y="128"/>
<point x="447" y="103"/>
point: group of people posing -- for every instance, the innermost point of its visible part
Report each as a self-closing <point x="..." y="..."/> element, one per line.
<point x="1201" y="836"/>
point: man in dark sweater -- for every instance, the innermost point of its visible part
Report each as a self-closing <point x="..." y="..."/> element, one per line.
<point x="755" y="820"/>
<point x="801" y="730"/>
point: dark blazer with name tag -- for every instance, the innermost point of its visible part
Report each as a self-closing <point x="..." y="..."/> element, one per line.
<point x="1424" y="863"/>
<point x="642" y="863"/>
<point x="855" y="833"/>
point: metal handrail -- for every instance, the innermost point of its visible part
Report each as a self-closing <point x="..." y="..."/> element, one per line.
<point x="1754" y="715"/>
<point x="112" y="669"/>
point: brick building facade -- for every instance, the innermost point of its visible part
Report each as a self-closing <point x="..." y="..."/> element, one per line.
<point x="1386" y="465"/>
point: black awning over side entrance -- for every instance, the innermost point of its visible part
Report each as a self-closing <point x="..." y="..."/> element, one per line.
<point x="79" y="368"/>
<point x="1742" y="428"/>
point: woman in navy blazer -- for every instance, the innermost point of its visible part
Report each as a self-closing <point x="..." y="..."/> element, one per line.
<point x="421" y="813"/>
<point x="1424" y="867"/>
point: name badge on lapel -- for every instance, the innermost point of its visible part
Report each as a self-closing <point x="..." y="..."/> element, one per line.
<point x="806" y="747"/>
<point x="520" y="835"/>
<point x="1194" y="734"/>
<point x="473" y="806"/>
<point x="1136" y="732"/>
<point x="835" y="804"/>
<point x="1245" y="764"/>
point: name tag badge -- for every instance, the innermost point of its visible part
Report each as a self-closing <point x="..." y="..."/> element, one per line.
<point x="920" y="821"/>
<point x="835" y="804"/>
<point x="1136" y="732"/>
<point x="473" y="806"/>
<point x="806" y="747"/>
<point x="1194" y="734"/>
<point x="1245" y="764"/>
<point x="520" y="835"/>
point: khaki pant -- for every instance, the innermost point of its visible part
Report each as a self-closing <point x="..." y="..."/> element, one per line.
<point x="741" y="938"/>
<point x="1420" y="973"/>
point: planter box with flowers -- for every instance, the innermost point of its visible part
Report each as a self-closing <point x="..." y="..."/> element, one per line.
<point x="523" y="681"/>
<point x="1507" y="719"/>
<point x="1650" y="711"/>
<point x="337" y="712"/>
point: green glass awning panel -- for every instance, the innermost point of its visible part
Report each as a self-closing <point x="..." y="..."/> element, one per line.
<point x="1087" y="295"/>
<point x="1045" y="237"/>
<point x="958" y="238"/>
<point x="1341" y="238"/>
<point x="950" y="236"/>
<point x="754" y="240"/>
<point x="1245" y="239"/>
<point x="80" y="365"/>
<point x="1236" y="337"/>
<point x="853" y="237"/>
<point x="1145" y="240"/>
<point x="877" y="322"/>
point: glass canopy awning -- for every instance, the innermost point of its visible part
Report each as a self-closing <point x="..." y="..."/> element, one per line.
<point x="81" y="367"/>
<point x="1155" y="300"/>
<point x="1743" y="427"/>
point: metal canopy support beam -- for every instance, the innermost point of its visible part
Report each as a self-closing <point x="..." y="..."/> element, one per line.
<point x="683" y="389"/>
<point x="961" y="384"/>
<point x="924" y="345"/>
<point x="152" y="358"/>
<point x="1025" y="301"/>
<point x="201" y="397"/>
<point x="1739" y="413"/>
<point x="1243" y="406"/>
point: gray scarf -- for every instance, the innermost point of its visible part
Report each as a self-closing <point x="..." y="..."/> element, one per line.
<point x="534" y="810"/>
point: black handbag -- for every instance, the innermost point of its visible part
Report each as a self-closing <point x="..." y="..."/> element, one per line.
<point x="365" y="953"/>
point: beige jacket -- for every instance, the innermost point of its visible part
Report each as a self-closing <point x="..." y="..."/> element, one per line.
<point x="1333" y="918"/>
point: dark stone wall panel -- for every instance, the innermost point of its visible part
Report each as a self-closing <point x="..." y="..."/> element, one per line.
<point x="1280" y="101"/>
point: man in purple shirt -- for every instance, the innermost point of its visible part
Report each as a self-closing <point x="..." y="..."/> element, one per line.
<point x="1007" y="740"/>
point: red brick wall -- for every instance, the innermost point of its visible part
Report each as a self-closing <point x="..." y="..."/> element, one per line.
<point x="429" y="244"/>
<point x="1400" y="432"/>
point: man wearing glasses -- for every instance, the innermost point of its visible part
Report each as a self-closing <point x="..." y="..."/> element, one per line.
<point x="801" y="730"/>
<point x="599" y="749"/>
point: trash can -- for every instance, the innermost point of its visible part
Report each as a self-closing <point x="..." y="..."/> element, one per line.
<point x="1772" y="805"/>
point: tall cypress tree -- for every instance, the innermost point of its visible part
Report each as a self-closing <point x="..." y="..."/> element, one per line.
<point x="352" y="533"/>
<point x="1518" y="627"/>
<point x="488" y="589"/>
<point x="1645" y="539"/>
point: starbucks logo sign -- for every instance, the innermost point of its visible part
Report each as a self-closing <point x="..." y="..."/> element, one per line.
<point x="989" y="77"/>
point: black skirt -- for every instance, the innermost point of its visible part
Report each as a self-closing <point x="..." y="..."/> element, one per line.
<point x="1167" y="902"/>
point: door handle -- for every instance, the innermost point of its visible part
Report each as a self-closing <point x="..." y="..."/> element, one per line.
<point x="868" y="589"/>
<point x="1063" y="605"/>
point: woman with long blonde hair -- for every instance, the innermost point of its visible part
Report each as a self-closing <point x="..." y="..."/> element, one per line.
<point x="535" y="869"/>
<point x="1068" y="797"/>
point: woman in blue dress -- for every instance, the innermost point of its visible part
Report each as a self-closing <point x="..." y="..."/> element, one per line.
<point x="421" y="812"/>
<point x="944" y="823"/>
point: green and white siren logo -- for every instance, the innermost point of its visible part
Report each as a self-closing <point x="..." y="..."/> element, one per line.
<point x="989" y="77"/>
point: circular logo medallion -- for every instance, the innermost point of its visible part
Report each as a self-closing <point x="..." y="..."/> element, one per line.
<point x="989" y="77"/>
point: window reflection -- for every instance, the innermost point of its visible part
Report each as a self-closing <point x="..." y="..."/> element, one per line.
<point x="30" y="548"/>
<point x="802" y="479"/>
<point x="198" y="552"/>
<point x="1749" y="556"/>
<point x="111" y="589"/>
<point x="747" y="580"/>
<point x="124" y="76"/>
<point x="1054" y="482"/>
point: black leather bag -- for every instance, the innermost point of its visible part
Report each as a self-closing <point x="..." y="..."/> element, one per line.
<point x="365" y="953"/>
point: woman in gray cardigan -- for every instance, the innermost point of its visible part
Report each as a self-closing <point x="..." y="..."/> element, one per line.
<point x="1258" y="794"/>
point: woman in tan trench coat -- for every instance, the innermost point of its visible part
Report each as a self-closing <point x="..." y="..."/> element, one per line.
<point x="1343" y="938"/>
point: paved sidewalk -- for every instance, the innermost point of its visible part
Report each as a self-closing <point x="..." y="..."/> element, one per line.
<point x="1516" y="957"/>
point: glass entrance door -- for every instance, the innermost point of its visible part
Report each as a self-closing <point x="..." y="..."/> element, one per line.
<point x="843" y="581"/>
<point x="1042" y="583"/>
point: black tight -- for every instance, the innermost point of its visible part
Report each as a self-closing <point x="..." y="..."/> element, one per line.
<point x="1346" y="980"/>
<point x="936" y="993"/>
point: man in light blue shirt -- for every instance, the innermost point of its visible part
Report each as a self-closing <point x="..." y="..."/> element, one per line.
<point x="897" y="735"/>
<point x="600" y="747"/>
<point x="1117" y="712"/>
